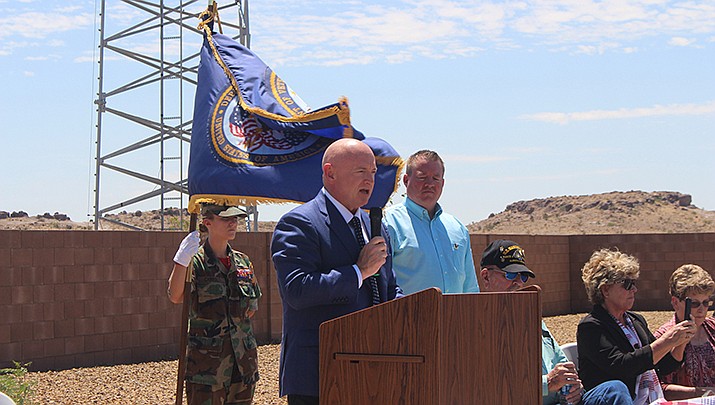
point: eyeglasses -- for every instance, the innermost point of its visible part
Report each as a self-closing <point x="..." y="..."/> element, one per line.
<point x="512" y="276"/>
<point x="628" y="283"/>
<point x="696" y="304"/>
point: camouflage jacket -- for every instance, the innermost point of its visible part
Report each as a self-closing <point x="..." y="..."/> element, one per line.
<point x="220" y="300"/>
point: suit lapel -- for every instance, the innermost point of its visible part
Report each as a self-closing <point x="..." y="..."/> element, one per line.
<point x="337" y="225"/>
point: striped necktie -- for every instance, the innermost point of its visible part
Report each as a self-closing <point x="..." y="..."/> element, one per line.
<point x="357" y="227"/>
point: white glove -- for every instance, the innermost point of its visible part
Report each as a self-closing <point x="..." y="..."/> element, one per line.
<point x="188" y="248"/>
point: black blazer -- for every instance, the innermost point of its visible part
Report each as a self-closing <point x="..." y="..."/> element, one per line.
<point x="604" y="352"/>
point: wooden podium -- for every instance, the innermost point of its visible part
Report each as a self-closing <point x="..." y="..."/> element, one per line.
<point x="428" y="348"/>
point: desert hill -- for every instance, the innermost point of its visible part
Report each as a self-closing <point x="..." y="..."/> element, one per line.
<point x="174" y="219"/>
<point x="607" y="213"/>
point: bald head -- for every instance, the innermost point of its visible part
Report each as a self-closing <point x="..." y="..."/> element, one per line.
<point x="349" y="172"/>
<point x="344" y="147"/>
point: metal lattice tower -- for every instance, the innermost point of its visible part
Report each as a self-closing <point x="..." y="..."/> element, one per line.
<point x="144" y="100"/>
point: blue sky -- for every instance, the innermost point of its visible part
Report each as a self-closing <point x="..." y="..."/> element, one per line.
<point x="523" y="99"/>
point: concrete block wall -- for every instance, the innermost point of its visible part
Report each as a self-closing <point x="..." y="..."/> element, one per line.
<point x="659" y="255"/>
<point x="82" y="298"/>
<point x="86" y="298"/>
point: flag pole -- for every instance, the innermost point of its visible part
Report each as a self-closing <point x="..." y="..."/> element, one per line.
<point x="183" y="331"/>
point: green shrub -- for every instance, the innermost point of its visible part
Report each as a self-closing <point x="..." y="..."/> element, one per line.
<point x="13" y="383"/>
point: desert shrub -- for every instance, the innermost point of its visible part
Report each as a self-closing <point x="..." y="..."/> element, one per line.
<point x="14" y="384"/>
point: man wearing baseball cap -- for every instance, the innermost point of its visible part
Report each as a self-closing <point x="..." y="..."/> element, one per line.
<point x="503" y="268"/>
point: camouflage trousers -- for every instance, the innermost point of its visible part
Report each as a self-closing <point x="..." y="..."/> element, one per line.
<point x="237" y="393"/>
<point x="241" y="387"/>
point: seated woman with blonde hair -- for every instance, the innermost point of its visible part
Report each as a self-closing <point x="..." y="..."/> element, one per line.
<point x="696" y="376"/>
<point x="614" y="343"/>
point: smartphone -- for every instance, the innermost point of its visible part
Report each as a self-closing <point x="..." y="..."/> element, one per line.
<point x="688" y="303"/>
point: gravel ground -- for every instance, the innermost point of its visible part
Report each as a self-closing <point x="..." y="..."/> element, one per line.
<point x="155" y="382"/>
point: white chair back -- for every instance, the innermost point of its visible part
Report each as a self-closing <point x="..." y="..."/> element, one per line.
<point x="571" y="352"/>
<point x="5" y="400"/>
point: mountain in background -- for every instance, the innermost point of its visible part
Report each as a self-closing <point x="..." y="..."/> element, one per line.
<point x="607" y="213"/>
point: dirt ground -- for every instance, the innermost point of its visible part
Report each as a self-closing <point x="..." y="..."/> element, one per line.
<point x="155" y="382"/>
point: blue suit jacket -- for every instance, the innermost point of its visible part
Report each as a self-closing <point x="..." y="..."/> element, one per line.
<point x="313" y="253"/>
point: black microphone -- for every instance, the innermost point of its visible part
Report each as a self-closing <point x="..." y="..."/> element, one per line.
<point x="375" y="226"/>
<point x="375" y="222"/>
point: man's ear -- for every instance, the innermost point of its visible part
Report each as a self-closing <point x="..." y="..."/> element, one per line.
<point x="405" y="179"/>
<point x="328" y="171"/>
<point x="484" y="273"/>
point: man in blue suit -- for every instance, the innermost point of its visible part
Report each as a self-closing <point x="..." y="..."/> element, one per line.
<point x="323" y="272"/>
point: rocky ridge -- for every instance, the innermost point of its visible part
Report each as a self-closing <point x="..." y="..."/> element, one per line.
<point x="607" y="213"/>
<point x="174" y="219"/>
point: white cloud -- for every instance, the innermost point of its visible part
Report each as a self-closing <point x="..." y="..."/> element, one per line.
<point x="28" y="73"/>
<point x="681" y="41"/>
<point x="42" y="58"/>
<point x="623" y="113"/>
<point x="333" y="32"/>
<point x="42" y="24"/>
<point x="390" y="30"/>
<point x="399" y="57"/>
<point x="599" y="49"/>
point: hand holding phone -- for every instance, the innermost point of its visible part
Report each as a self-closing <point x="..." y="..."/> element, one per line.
<point x="688" y="304"/>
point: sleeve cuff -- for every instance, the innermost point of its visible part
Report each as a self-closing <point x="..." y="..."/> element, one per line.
<point x="359" y="275"/>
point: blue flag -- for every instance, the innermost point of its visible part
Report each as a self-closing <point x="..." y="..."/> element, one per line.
<point x="254" y="140"/>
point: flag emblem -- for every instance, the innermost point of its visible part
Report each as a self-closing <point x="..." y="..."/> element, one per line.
<point x="239" y="138"/>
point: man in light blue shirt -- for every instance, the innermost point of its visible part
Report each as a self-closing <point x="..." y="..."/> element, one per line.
<point x="430" y="247"/>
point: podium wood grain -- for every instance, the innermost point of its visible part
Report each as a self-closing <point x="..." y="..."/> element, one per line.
<point x="429" y="348"/>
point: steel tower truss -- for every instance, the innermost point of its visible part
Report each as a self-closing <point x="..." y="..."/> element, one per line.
<point x="146" y="86"/>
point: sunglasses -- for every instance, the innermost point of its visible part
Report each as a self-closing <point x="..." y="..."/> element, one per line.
<point x="696" y="304"/>
<point x="512" y="276"/>
<point x="628" y="283"/>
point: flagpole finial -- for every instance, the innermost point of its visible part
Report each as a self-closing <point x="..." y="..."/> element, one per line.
<point x="344" y="115"/>
<point x="207" y="18"/>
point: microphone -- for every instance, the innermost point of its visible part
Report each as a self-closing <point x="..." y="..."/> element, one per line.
<point x="375" y="222"/>
<point x="375" y="226"/>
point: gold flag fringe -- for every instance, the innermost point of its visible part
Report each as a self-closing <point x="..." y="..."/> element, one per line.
<point x="341" y="110"/>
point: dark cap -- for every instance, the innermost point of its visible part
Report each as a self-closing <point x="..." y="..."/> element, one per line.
<point x="222" y="211"/>
<point x="506" y="255"/>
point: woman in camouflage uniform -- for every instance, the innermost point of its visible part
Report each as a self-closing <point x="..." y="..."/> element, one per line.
<point x="222" y="360"/>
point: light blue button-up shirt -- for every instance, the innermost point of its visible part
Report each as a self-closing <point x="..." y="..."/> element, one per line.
<point x="551" y="355"/>
<point x="429" y="252"/>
